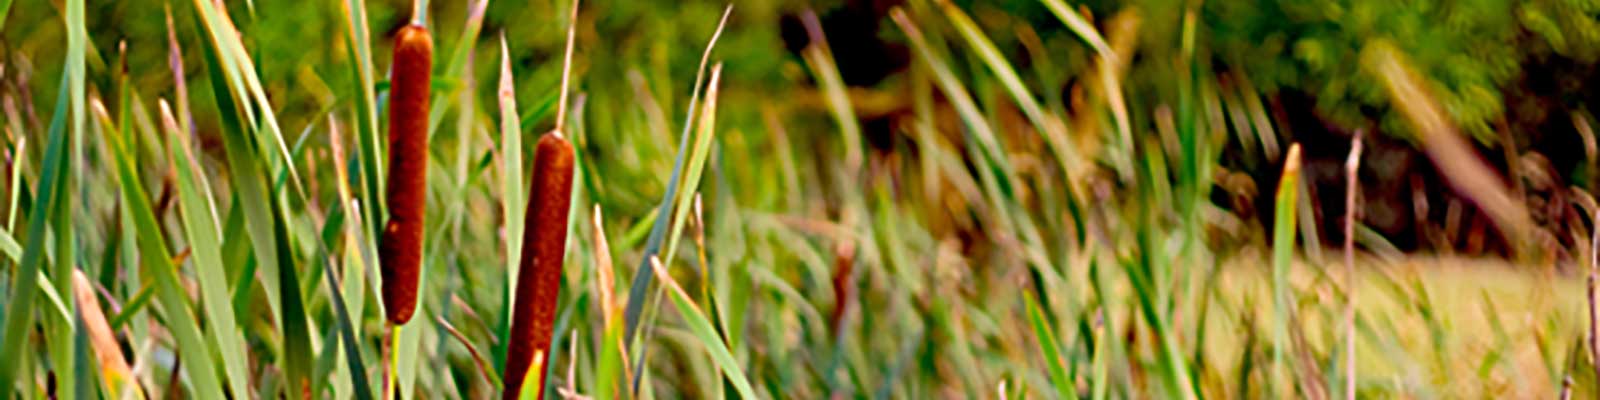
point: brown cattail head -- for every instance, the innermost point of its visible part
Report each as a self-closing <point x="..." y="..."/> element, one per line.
<point x="400" y="248"/>
<point x="543" y="251"/>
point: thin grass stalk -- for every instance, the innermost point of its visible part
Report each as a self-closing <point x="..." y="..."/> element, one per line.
<point x="1351" y="166"/>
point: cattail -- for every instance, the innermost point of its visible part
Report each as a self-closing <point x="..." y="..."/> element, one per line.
<point x="400" y="249"/>
<point x="543" y="250"/>
<point x="544" y="247"/>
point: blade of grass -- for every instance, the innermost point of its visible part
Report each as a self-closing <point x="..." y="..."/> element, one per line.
<point x="248" y="181"/>
<point x="1066" y="388"/>
<point x="690" y="187"/>
<point x="114" y="370"/>
<point x="1108" y="58"/>
<point x="352" y="348"/>
<point x="1051" y="129"/>
<point x="358" y="255"/>
<point x="613" y="362"/>
<point x="170" y="294"/>
<point x="264" y="220"/>
<point x="47" y="200"/>
<point x="252" y="96"/>
<point x="1351" y="167"/>
<point x="457" y="63"/>
<point x="658" y="231"/>
<point x="198" y="209"/>
<point x="512" y="199"/>
<point x="820" y="60"/>
<point x="512" y="174"/>
<point x="703" y="331"/>
<point x="62" y="224"/>
<point x="1283" y="229"/>
<point x="370" y="150"/>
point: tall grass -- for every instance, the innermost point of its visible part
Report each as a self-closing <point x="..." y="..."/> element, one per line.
<point x="999" y="235"/>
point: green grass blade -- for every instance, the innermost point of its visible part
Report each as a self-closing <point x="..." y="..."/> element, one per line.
<point x="1283" y="230"/>
<point x="157" y="260"/>
<point x="63" y="222"/>
<point x="704" y="331"/>
<point x="247" y="179"/>
<point x="19" y="307"/>
<point x="197" y="206"/>
<point x="513" y="200"/>
<point x="1053" y="131"/>
<point x="265" y="222"/>
<point x="456" y="66"/>
<point x="1066" y="388"/>
<point x="355" y="365"/>
<point x="820" y="60"/>
<point x="254" y="97"/>
<point x="697" y="163"/>
<point x="370" y="149"/>
<point x="658" y="231"/>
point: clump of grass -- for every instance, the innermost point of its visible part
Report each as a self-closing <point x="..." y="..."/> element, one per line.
<point x="400" y="247"/>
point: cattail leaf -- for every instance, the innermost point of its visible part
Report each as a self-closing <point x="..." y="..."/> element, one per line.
<point x="658" y="230"/>
<point x="157" y="262"/>
<point x="369" y="148"/>
<point x="264" y="222"/>
<point x="198" y="209"/>
<point x="48" y="199"/>
<point x="456" y="65"/>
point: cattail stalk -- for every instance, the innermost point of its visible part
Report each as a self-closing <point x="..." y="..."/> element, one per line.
<point x="400" y="248"/>
<point x="543" y="248"/>
<point x="543" y="251"/>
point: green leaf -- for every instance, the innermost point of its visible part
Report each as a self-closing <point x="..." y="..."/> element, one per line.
<point x="1066" y="388"/>
<point x="157" y="262"/>
<point x="197" y="206"/>
<point x="1283" y="229"/>
<point x="19" y="307"/>
<point x="704" y="331"/>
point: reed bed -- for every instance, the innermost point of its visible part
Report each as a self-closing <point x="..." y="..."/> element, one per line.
<point x="1056" y="204"/>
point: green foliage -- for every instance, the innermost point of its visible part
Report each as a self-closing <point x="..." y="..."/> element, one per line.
<point x="1471" y="50"/>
